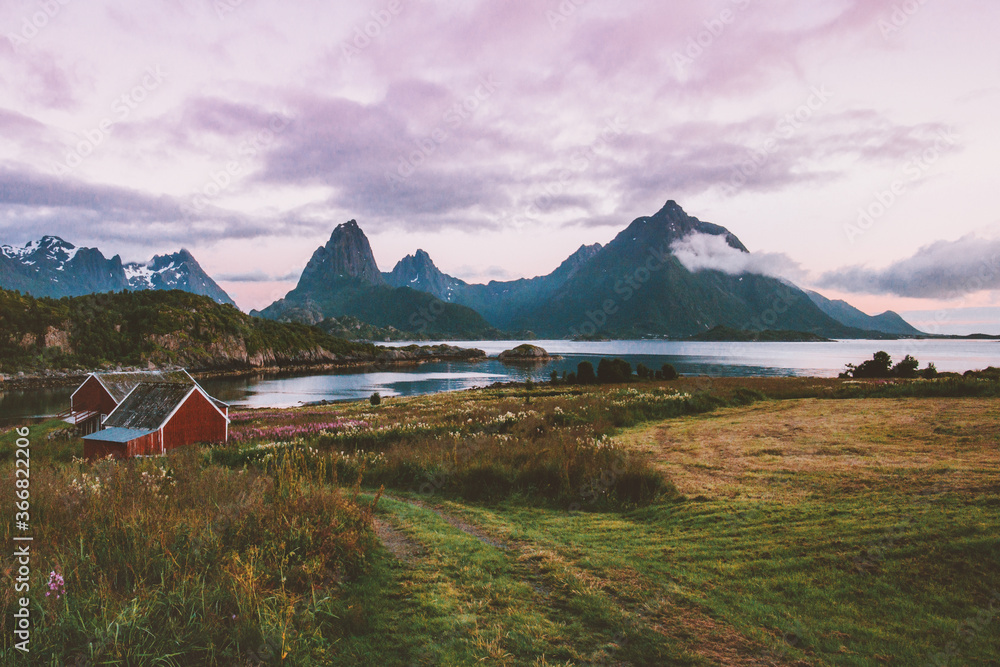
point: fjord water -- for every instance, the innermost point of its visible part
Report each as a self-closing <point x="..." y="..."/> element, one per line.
<point x="689" y="358"/>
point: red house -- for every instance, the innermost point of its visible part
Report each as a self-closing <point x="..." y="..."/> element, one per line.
<point x="101" y="393"/>
<point x="156" y="417"/>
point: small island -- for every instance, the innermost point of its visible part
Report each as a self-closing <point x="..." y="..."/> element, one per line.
<point x="526" y="353"/>
<point x="724" y="334"/>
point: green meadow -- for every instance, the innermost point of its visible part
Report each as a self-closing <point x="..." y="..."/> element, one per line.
<point x="692" y="522"/>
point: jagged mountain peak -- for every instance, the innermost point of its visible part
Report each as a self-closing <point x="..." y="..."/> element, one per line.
<point x="54" y="267"/>
<point x="350" y="224"/>
<point x="585" y="251"/>
<point x="347" y="232"/>
<point x="574" y="262"/>
<point x="346" y="255"/>
<point x="419" y="272"/>
<point x="177" y="259"/>
<point x="48" y="247"/>
<point x="49" y="241"/>
<point x="179" y="270"/>
<point x="671" y="223"/>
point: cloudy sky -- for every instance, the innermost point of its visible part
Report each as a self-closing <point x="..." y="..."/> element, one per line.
<point x="852" y="143"/>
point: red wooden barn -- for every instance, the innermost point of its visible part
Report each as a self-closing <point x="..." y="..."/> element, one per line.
<point x="101" y="393"/>
<point x="156" y="417"/>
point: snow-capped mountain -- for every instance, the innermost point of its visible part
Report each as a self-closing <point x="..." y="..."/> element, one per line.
<point x="177" y="271"/>
<point x="52" y="267"/>
<point x="56" y="268"/>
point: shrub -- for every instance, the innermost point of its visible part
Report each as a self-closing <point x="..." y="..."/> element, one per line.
<point x="668" y="372"/>
<point x="640" y="487"/>
<point x="376" y="399"/>
<point x="642" y="372"/>
<point x="907" y="368"/>
<point x="585" y="373"/>
<point x="610" y="371"/>
<point x="541" y="480"/>
<point x="486" y="482"/>
<point x="879" y="366"/>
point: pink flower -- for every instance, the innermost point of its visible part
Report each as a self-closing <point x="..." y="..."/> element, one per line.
<point x="57" y="585"/>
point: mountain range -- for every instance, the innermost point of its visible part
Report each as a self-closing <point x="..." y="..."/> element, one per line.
<point x="55" y="268"/>
<point x="632" y="287"/>
<point x="343" y="279"/>
<point x="888" y="322"/>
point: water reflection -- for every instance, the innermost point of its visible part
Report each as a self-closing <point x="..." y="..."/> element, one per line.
<point x="716" y="359"/>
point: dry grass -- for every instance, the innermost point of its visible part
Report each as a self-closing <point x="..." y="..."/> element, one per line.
<point x="793" y="449"/>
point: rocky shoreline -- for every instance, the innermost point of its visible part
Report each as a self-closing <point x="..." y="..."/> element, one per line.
<point x="411" y="355"/>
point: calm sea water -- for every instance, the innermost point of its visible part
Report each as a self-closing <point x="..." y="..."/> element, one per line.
<point x="716" y="359"/>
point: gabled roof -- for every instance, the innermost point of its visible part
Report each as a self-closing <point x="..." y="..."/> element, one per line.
<point x="117" y="434"/>
<point x="148" y="405"/>
<point x="120" y="384"/>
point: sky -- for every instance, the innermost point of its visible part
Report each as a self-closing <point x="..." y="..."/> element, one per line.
<point x="850" y="144"/>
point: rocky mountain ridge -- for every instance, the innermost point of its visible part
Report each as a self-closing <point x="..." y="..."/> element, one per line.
<point x="56" y="268"/>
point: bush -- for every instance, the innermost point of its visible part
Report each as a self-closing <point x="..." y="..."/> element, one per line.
<point x="879" y="366"/>
<point x="613" y="371"/>
<point x="610" y="371"/>
<point x="541" y="480"/>
<point x="640" y="487"/>
<point x="376" y="399"/>
<point x="585" y="373"/>
<point x="668" y="372"/>
<point x="907" y="368"/>
<point x="486" y="482"/>
<point x="642" y="372"/>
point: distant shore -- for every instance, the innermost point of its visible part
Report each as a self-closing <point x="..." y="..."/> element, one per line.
<point x="390" y="357"/>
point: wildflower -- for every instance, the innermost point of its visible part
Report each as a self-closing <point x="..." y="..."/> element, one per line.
<point x="57" y="585"/>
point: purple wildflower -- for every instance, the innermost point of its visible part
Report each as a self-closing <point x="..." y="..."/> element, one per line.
<point x="57" y="585"/>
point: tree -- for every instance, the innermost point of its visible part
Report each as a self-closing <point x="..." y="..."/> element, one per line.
<point x="668" y="372"/>
<point x="907" y="368"/>
<point x="642" y="372"/>
<point x="585" y="373"/>
<point x="554" y="377"/>
<point x="606" y="372"/>
<point x="930" y="372"/>
<point x="375" y="399"/>
<point x="571" y="378"/>
<point x="610" y="371"/>
<point x="879" y="366"/>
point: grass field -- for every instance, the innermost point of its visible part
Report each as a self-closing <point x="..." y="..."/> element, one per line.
<point x="803" y="530"/>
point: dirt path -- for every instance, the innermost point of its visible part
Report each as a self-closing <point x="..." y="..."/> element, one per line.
<point x="541" y="568"/>
<point x="396" y="542"/>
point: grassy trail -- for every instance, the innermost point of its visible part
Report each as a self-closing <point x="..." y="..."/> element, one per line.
<point x="608" y="526"/>
<point x="864" y="538"/>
